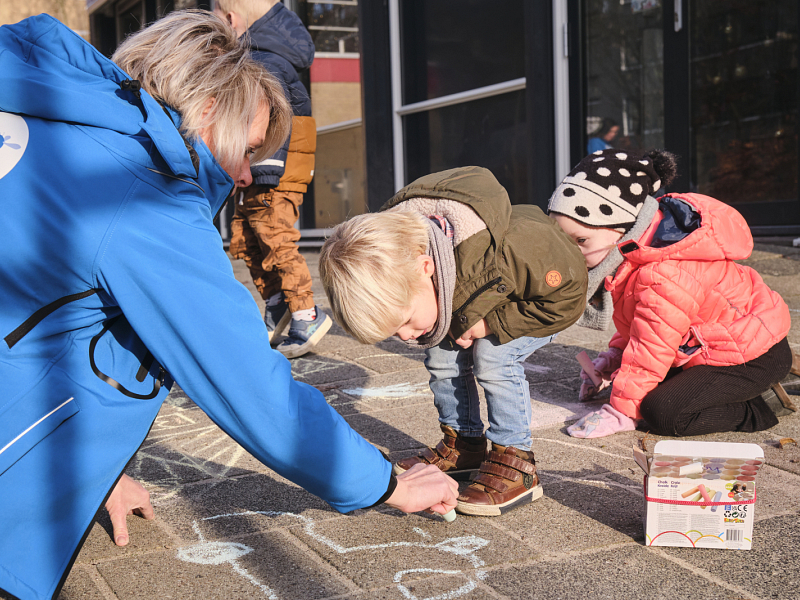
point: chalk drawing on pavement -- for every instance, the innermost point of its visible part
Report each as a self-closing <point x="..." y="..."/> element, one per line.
<point x="218" y="553"/>
<point x="398" y="390"/>
<point x="466" y="547"/>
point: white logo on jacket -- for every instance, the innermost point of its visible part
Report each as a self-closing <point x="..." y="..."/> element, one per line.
<point x="13" y="141"/>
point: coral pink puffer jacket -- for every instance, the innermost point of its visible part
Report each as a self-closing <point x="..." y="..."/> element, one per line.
<point x="680" y="300"/>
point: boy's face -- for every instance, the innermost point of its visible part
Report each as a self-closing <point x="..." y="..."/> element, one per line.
<point x="420" y="317"/>
<point x="595" y="242"/>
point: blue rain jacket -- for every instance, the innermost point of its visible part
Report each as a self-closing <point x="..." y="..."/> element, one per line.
<point x="114" y="282"/>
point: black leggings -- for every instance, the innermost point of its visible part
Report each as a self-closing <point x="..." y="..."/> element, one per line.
<point x="705" y="399"/>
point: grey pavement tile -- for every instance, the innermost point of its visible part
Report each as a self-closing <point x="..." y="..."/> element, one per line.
<point x="381" y="361"/>
<point x="167" y="461"/>
<point x="145" y="536"/>
<point x="317" y="369"/>
<point x="235" y="507"/>
<point x="380" y="392"/>
<point x="767" y="246"/>
<point x="778" y="492"/>
<point x="768" y="264"/>
<point x="80" y="585"/>
<point x="565" y="456"/>
<point x="374" y="549"/>
<point x="465" y="586"/>
<point x="398" y="430"/>
<point x="622" y="572"/>
<point x="787" y="457"/>
<point x="771" y="569"/>
<point x="258" y="566"/>
<point x="332" y="343"/>
<point x="575" y="338"/>
<point x="578" y="514"/>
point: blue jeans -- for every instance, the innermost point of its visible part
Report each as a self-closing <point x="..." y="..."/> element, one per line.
<point x="498" y="369"/>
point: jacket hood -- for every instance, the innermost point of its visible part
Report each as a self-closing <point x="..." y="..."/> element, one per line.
<point x="51" y="73"/>
<point x="279" y="31"/>
<point x="693" y="227"/>
<point x="474" y="186"/>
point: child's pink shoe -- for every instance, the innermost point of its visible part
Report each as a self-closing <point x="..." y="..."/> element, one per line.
<point x="600" y="423"/>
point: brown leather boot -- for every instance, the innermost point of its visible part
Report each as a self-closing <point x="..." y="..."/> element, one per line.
<point x="457" y="455"/>
<point x="507" y="479"/>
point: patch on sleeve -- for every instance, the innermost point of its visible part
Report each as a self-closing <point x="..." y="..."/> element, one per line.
<point x="553" y="278"/>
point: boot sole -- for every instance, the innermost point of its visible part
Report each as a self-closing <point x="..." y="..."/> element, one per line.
<point x="298" y="351"/>
<point x="495" y="510"/>
<point x="287" y="316"/>
<point x="461" y="475"/>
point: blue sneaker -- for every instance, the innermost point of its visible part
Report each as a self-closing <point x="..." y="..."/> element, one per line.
<point x="276" y="318"/>
<point x="304" y="335"/>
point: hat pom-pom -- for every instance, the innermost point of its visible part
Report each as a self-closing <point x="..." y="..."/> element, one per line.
<point x="665" y="164"/>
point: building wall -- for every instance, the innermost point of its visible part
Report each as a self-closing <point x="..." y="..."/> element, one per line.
<point x="70" y="12"/>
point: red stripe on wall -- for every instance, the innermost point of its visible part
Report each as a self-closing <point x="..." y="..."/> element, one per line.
<point x="336" y="69"/>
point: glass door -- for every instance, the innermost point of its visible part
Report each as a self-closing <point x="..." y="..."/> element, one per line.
<point x="743" y="81"/>
<point x="624" y="80"/>
<point x="713" y="82"/>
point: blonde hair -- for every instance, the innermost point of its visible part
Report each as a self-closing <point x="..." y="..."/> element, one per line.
<point x="249" y="10"/>
<point x="190" y="57"/>
<point x="370" y="272"/>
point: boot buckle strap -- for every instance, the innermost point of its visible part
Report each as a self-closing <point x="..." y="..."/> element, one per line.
<point x="489" y="481"/>
<point x="513" y="462"/>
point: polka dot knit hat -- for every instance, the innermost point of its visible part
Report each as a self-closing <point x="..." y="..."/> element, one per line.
<point x="606" y="189"/>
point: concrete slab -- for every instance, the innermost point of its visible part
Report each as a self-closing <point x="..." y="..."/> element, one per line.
<point x="625" y="571"/>
<point x="377" y="548"/>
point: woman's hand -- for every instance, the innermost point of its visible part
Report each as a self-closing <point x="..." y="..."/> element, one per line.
<point x="128" y="497"/>
<point x="424" y="487"/>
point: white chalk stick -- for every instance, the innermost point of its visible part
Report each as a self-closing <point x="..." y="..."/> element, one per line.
<point x="450" y="516"/>
<point x="588" y="367"/>
<point x="694" y="467"/>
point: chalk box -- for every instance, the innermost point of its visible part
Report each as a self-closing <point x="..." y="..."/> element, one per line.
<point x="676" y="514"/>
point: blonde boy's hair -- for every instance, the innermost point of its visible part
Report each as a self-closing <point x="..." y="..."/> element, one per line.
<point x="370" y="272"/>
<point x="190" y="57"/>
<point x="249" y="10"/>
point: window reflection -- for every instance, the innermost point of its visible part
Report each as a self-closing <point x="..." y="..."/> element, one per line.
<point x="488" y="133"/>
<point x="744" y="99"/>
<point x="624" y="75"/>
<point x="451" y="46"/>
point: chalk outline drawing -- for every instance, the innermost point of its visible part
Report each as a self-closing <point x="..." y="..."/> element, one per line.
<point x="216" y="553"/>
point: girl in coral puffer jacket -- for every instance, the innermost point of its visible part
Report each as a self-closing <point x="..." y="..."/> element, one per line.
<point x="700" y="343"/>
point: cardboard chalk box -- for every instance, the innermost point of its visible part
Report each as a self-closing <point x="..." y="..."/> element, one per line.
<point x="700" y="494"/>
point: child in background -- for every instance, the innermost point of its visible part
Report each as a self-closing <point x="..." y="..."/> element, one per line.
<point x="450" y="266"/>
<point x="701" y="344"/>
<point x="262" y="231"/>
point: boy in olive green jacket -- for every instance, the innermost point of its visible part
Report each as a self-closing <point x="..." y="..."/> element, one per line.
<point x="451" y="266"/>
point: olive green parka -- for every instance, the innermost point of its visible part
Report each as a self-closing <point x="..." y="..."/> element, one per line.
<point x="522" y="273"/>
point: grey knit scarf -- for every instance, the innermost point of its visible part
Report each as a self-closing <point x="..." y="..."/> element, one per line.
<point x="599" y="306"/>
<point x="440" y="248"/>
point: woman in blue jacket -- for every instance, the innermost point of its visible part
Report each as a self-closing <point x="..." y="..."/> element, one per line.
<point x="114" y="283"/>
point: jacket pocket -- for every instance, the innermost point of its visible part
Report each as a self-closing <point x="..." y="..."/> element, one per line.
<point x="26" y="424"/>
<point x="118" y="357"/>
<point x="691" y="343"/>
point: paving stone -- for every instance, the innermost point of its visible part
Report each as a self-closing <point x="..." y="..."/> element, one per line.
<point x="771" y="569"/>
<point x="79" y="586"/>
<point x="374" y="549"/>
<point x="258" y="566"/>
<point x="622" y="572"/>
